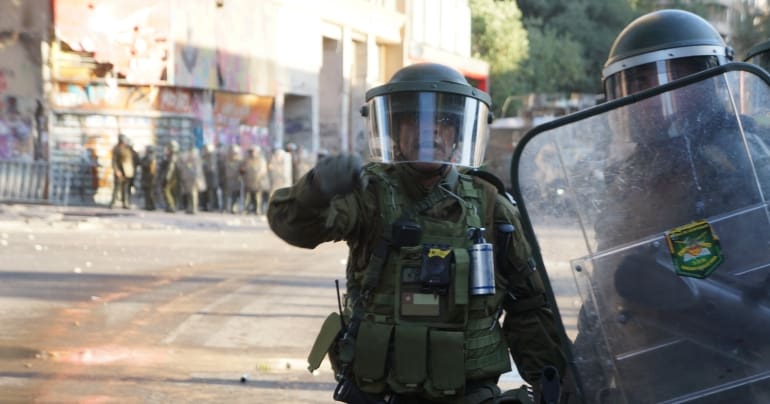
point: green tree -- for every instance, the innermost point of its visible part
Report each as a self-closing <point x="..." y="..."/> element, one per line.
<point x="591" y="25"/>
<point x="499" y="38"/>
<point x="555" y="61"/>
<point x="546" y="46"/>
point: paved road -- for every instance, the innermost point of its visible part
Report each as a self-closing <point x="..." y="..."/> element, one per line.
<point x="122" y="306"/>
<point x="125" y="306"/>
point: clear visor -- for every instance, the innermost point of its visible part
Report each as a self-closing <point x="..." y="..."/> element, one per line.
<point x="428" y="127"/>
<point x="649" y="75"/>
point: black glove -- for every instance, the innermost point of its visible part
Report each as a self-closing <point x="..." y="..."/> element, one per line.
<point x="336" y="175"/>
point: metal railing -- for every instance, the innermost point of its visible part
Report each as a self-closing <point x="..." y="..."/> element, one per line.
<point x="58" y="183"/>
<point x="23" y="181"/>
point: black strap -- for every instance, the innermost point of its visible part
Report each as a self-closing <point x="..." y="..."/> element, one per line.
<point x="521" y="305"/>
<point x="494" y="180"/>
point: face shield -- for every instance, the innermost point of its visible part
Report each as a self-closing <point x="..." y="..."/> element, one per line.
<point x="670" y="115"/>
<point x="631" y="80"/>
<point x="425" y="126"/>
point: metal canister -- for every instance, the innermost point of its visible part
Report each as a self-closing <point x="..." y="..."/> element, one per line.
<point x="482" y="259"/>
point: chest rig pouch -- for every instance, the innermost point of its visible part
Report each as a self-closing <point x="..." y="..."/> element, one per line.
<point x="432" y="334"/>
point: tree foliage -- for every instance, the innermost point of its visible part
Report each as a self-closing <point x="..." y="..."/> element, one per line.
<point x="546" y="45"/>
<point x="591" y="24"/>
<point x="499" y="38"/>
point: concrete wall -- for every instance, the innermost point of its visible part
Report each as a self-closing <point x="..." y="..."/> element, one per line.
<point x="23" y="25"/>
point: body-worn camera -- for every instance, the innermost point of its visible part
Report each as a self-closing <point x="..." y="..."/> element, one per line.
<point x="436" y="268"/>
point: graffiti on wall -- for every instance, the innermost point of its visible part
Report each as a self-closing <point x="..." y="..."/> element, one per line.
<point x="195" y="103"/>
<point x="100" y="97"/>
<point x="242" y="119"/>
<point x="16" y="129"/>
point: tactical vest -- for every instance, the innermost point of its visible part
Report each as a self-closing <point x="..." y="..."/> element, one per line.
<point x="427" y="340"/>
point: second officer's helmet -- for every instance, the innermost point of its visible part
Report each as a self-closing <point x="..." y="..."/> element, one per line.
<point x="660" y="47"/>
<point x="428" y="112"/>
<point x="759" y="55"/>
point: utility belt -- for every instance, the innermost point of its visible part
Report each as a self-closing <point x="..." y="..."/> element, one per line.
<point x="406" y="358"/>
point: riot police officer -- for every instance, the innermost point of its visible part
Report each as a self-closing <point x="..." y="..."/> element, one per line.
<point x="123" y="169"/>
<point x="681" y="163"/>
<point x="149" y="178"/>
<point x="171" y="178"/>
<point x="653" y="50"/>
<point x="423" y="299"/>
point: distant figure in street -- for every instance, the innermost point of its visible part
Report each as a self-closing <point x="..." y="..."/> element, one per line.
<point x="280" y="170"/>
<point x="293" y="152"/>
<point x="137" y="162"/>
<point x="123" y="166"/>
<point x="170" y="172"/>
<point x="89" y="166"/>
<point x="192" y="181"/>
<point x="304" y="162"/>
<point x="209" y="200"/>
<point x="255" y="180"/>
<point x="222" y="152"/>
<point x="231" y="188"/>
<point x="149" y="178"/>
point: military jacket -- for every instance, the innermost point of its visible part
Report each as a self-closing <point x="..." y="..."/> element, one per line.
<point x="123" y="160"/>
<point x="149" y="171"/>
<point x="255" y="176"/>
<point x="299" y="216"/>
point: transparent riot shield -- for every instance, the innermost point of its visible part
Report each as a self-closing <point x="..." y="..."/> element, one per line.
<point x="651" y="218"/>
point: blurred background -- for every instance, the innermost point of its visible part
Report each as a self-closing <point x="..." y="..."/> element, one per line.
<point x="75" y="73"/>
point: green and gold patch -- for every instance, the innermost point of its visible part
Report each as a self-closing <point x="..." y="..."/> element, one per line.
<point x="695" y="249"/>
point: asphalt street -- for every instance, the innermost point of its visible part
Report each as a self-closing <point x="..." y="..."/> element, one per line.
<point x="103" y="305"/>
<point x="127" y="306"/>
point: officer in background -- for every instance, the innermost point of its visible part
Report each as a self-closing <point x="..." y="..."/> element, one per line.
<point x="644" y="196"/>
<point x="191" y="180"/>
<point x="171" y="178"/>
<point x="231" y="186"/>
<point x="123" y="169"/>
<point x="280" y="170"/>
<point x="653" y="50"/>
<point x="423" y="300"/>
<point x="149" y="166"/>
<point x="255" y="180"/>
<point x="293" y="151"/>
<point x="209" y="198"/>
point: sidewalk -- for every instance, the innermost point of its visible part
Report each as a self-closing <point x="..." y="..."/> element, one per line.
<point x="135" y="218"/>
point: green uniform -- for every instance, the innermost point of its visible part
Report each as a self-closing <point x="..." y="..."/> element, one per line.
<point x="301" y="217"/>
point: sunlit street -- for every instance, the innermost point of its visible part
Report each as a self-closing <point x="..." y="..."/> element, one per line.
<point x="125" y="306"/>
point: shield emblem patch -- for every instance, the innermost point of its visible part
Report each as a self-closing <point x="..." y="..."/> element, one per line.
<point x="695" y="249"/>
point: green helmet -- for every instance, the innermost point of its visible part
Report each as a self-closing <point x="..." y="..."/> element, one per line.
<point x="659" y="47"/>
<point x="759" y="55"/>
<point x="428" y="112"/>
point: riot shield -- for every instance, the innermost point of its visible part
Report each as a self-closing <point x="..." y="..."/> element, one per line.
<point x="651" y="220"/>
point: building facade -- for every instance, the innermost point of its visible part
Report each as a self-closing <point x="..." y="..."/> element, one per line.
<point x="75" y="73"/>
